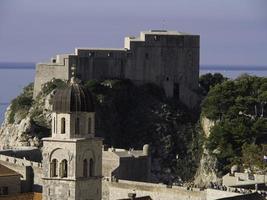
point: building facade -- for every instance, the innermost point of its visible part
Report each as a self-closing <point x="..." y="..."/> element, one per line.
<point x="72" y="156"/>
<point x="9" y="182"/>
<point x="169" y="59"/>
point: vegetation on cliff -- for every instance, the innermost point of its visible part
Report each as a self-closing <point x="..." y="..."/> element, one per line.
<point x="21" y="104"/>
<point x="129" y="116"/>
<point x="239" y="108"/>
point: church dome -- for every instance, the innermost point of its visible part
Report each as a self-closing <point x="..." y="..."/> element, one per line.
<point x="73" y="98"/>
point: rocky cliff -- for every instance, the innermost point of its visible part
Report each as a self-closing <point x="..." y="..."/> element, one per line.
<point x="26" y="121"/>
<point x="208" y="170"/>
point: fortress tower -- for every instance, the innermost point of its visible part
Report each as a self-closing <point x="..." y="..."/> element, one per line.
<point x="72" y="156"/>
<point x="169" y="59"/>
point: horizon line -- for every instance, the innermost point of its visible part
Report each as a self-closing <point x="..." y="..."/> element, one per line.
<point x="29" y="65"/>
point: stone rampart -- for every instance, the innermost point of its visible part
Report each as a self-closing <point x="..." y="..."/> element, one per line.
<point x="45" y="72"/>
<point x="121" y="189"/>
<point x="31" y="172"/>
<point x="169" y="59"/>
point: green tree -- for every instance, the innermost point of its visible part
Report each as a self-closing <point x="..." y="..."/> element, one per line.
<point x="238" y="108"/>
<point x="209" y="80"/>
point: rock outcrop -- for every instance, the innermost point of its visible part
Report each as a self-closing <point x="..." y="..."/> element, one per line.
<point x="28" y="126"/>
<point x="206" y="125"/>
<point x="207" y="170"/>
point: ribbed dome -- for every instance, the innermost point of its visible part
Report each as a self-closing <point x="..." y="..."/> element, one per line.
<point x="73" y="98"/>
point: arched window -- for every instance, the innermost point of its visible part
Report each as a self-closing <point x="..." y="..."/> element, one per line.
<point x="63" y="125"/>
<point x="64" y="168"/>
<point x="53" y="168"/>
<point x="77" y="126"/>
<point x="89" y="125"/>
<point x="91" y="167"/>
<point x="85" y="168"/>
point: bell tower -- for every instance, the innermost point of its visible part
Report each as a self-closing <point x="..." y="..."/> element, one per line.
<point x="72" y="156"/>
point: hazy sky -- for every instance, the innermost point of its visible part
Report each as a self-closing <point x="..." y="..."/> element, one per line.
<point x="232" y="31"/>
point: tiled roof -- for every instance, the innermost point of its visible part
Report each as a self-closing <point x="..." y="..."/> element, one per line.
<point x="5" y="171"/>
<point x="24" y="196"/>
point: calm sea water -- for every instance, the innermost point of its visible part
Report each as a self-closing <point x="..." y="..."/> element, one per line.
<point x="15" y="76"/>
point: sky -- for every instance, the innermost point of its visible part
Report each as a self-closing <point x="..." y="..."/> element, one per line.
<point x="232" y="32"/>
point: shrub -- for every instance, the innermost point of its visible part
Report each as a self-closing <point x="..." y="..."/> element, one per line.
<point x="21" y="104"/>
<point x="51" y="85"/>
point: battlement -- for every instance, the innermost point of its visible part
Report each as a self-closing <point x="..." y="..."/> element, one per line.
<point x="162" y="38"/>
<point x="19" y="161"/>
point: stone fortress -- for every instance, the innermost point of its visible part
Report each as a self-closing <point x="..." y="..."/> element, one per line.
<point x="74" y="164"/>
<point x="169" y="59"/>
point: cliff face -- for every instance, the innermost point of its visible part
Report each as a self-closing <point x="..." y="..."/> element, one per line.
<point x="206" y="125"/>
<point x="25" y="126"/>
<point x="207" y="170"/>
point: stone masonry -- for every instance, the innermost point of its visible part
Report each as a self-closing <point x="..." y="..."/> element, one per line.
<point x="169" y="59"/>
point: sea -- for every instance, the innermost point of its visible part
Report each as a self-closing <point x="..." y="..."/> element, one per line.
<point x="15" y="76"/>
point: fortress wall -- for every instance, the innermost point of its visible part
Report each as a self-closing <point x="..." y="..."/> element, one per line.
<point x="46" y="72"/>
<point x="101" y="63"/>
<point x="31" y="172"/>
<point x="121" y="189"/>
<point x="192" y="45"/>
<point x="164" y="61"/>
<point x="164" y="58"/>
<point x="19" y="161"/>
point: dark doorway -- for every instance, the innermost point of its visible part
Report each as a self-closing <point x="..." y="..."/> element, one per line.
<point x="176" y="90"/>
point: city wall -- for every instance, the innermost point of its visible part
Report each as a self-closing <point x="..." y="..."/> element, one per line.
<point x="45" y="72"/>
<point x="121" y="189"/>
<point x="32" y="181"/>
<point x="31" y="172"/>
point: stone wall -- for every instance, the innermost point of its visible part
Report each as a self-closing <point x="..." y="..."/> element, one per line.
<point x="31" y="172"/>
<point x="121" y="189"/>
<point x="100" y="63"/>
<point x="168" y="59"/>
<point x="45" y="72"/>
<point x="111" y="162"/>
